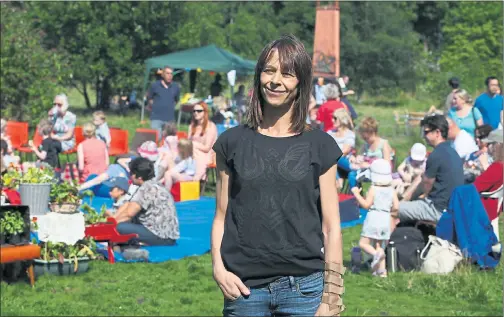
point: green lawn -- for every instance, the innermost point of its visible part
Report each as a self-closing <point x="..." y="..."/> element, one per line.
<point x="186" y="287"/>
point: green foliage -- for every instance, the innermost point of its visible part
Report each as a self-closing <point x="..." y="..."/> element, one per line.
<point x="12" y="223"/>
<point x="61" y="251"/>
<point x="32" y="175"/>
<point x="29" y="74"/>
<point x="378" y="46"/>
<point x="93" y="216"/>
<point x="473" y="43"/>
<point x="65" y="193"/>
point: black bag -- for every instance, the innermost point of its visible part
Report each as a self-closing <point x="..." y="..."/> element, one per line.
<point x="409" y="243"/>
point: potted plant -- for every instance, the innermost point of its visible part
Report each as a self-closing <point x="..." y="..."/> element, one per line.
<point x="14" y="225"/>
<point x="65" y="198"/>
<point x="34" y="187"/>
<point x="63" y="259"/>
<point x="93" y="216"/>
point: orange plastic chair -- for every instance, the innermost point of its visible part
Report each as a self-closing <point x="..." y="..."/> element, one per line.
<point x="79" y="136"/>
<point x="145" y="130"/>
<point x="182" y="135"/>
<point x="119" y="142"/>
<point x="18" y="133"/>
<point x="37" y="141"/>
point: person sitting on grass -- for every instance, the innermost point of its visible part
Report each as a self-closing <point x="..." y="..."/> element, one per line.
<point x="412" y="167"/>
<point x="374" y="148"/>
<point x="182" y="168"/>
<point x="381" y="200"/>
<point x="119" y="187"/>
<point x="50" y="148"/>
<point x="92" y="154"/>
<point x="151" y="212"/>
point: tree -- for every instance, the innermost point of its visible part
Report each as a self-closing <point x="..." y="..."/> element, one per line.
<point x="473" y="42"/>
<point x="29" y="74"/>
<point x="378" y="46"/>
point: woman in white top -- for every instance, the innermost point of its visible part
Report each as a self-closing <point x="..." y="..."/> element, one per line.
<point x="345" y="138"/>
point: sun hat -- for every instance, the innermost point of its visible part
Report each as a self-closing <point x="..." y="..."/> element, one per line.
<point x="381" y="171"/>
<point x="149" y="150"/>
<point x="494" y="136"/>
<point x="418" y="152"/>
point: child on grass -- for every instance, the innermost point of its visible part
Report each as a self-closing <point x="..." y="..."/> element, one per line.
<point x="381" y="201"/>
<point x="170" y="139"/>
<point x="412" y="167"/>
<point x="119" y="187"/>
<point x="183" y="168"/>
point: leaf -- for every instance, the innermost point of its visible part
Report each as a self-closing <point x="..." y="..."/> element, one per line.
<point x="61" y="258"/>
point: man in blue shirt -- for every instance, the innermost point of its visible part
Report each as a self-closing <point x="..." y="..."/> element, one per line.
<point x="163" y="95"/>
<point x="490" y="102"/>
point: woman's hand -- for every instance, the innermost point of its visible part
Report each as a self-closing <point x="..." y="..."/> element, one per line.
<point x="323" y="310"/>
<point x="356" y="190"/>
<point x="231" y="285"/>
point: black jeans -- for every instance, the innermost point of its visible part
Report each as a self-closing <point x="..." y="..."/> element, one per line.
<point x="144" y="234"/>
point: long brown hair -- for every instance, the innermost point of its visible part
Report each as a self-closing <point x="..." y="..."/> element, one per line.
<point x="293" y="58"/>
<point x="204" y="124"/>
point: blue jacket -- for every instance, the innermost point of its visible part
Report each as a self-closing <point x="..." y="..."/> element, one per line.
<point x="466" y="224"/>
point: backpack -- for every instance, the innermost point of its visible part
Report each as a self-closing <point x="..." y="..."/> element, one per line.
<point x="409" y="243"/>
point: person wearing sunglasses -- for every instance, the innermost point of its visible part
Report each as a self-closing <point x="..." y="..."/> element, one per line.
<point x="444" y="171"/>
<point x="203" y="134"/>
<point x="63" y="122"/>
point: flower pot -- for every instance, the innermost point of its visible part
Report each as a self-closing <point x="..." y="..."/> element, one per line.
<point x="20" y="238"/>
<point x="54" y="267"/>
<point x="64" y="208"/>
<point x="36" y="196"/>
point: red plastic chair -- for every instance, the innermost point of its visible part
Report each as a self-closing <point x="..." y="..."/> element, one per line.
<point x="79" y="137"/>
<point x="18" y="133"/>
<point x="182" y="135"/>
<point x="145" y="130"/>
<point x="37" y="141"/>
<point x="119" y="142"/>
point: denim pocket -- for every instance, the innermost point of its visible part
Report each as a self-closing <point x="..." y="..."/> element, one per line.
<point x="311" y="285"/>
<point x="233" y="300"/>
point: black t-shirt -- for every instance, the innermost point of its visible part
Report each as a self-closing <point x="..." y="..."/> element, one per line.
<point x="273" y="224"/>
<point x="446" y="167"/>
<point x="52" y="148"/>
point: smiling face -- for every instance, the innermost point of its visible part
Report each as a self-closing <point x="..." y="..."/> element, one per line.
<point x="278" y="86"/>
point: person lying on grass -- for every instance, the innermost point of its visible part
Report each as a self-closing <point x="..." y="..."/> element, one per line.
<point x="380" y="200"/>
<point x="151" y="212"/>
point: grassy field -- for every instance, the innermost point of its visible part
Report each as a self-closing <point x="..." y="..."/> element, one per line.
<point x="186" y="287"/>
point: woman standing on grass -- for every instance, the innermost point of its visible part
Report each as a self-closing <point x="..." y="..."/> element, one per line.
<point x="277" y="205"/>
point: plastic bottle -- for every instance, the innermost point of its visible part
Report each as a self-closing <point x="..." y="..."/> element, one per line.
<point x="391" y="257"/>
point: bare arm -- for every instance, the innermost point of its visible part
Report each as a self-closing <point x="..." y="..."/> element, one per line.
<point x="107" y="158"/>
<point x="124" y="161"/>
<point x="80" y="157"/>
<point x="367" y="202"/>
<point x="387" y="151"/>
<point x="427" y="185"/>
<point x="210" y="137"/>
<point x="230" y="284"/>
<point x="127" y="211"/>
<point x="395" y="203"/>
<point x="67" y="136"/>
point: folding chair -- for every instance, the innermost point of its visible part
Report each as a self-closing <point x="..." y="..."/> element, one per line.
<point x="119" y="142"/>
<point x="18" y="133"/>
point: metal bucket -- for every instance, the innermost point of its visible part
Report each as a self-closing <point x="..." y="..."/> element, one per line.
<point x="36" y="196"/>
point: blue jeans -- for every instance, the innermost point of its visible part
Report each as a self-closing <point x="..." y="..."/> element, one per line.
<point x="158" y="125"/>
<point x="144" y="234"/>
<point x="344" y="164"/>
<point x="287" y="296"/>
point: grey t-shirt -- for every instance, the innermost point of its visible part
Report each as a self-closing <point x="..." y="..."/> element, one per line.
<point x="347" y="138"/>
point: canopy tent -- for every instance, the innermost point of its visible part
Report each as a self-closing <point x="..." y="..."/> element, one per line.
<point x="209" y="58"/>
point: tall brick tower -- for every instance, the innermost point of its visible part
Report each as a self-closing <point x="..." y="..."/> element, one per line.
<point x="326" y="47"/>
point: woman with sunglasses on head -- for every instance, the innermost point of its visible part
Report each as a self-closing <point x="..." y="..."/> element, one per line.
<point x="202" y="133"/>
<point x="276" y="236"/>
<point x="63" y="122"/>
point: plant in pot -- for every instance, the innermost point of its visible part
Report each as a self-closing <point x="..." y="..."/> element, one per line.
<point x="35" y="188"/>
<point x="93" y="216"/>
<point x="65" y="198"/>
<point x="64" y="259"/>
<point x="12" y="225"/>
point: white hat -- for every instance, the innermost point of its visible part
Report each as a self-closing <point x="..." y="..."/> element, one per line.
<point x="494" y="136"/>
<point x="381" y="171"/>
<point x="418" y="152"/>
